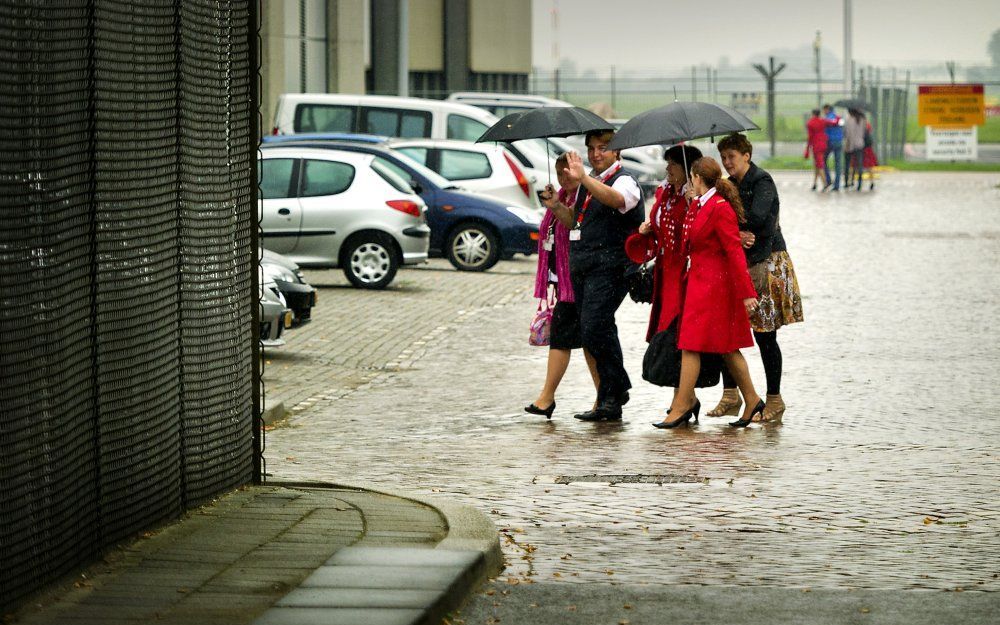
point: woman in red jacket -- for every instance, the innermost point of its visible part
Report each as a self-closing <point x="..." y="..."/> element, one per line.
<point x="718" y="293"/>
<point x="660" y="237"/>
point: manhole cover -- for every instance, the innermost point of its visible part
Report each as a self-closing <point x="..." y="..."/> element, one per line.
<point x="635" y="478"/>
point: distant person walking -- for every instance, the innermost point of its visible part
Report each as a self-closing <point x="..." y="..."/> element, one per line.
<point x="816" y="143"/>
<point x="854" y="146"/>
<point x="870" y="159"/>
<point x="718" y="293"/>
<point x="608" y="209"/>
<point x="834" y="147"/>
<point x="770" y="268"/>
<point x="553" y="273"/>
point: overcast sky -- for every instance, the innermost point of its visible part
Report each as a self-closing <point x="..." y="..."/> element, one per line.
<point x="685" y="32"/>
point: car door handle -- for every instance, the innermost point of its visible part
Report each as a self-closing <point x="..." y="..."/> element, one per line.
<point x="284" y="211"/>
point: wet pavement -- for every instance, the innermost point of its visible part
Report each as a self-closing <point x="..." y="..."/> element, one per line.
<point x="883" y="476"/>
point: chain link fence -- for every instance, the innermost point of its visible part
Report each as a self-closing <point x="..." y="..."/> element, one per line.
<point x="891" y="92"/>
<point x="128" y="137"/>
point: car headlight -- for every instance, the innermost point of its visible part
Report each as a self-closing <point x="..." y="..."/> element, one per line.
<point x="277" y="272"/>
<point x="526" y="215"/>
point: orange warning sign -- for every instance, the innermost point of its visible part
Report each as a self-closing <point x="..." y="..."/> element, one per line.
<point x="951" y="106"/>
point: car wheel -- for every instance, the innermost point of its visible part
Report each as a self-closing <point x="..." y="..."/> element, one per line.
<point x="369" y="261"/>
<point x="473" y="247"/>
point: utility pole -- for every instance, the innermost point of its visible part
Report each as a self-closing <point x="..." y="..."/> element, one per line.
<point x="951" y="70"/>
<point x="817" y="47"/>
<point x="848" y="60"/>
<point x="694" y="84"/>
<point x="769" y="74"/>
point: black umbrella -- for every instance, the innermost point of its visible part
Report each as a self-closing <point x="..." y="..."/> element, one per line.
<point x="545" y="121"/>
<point x="680" y="121"/>
<point x="853" y="103"/>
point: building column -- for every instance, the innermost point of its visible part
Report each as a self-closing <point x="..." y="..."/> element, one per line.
<point x="345" y="46"/>
<point x="389" y="59"/>
<point x="456" y="45"/>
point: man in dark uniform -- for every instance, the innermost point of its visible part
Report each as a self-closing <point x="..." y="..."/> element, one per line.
<point x="609" y="207"/>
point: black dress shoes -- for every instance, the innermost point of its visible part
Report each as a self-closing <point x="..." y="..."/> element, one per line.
<point x="546" y="412"/>
<point x="606" y="411"/>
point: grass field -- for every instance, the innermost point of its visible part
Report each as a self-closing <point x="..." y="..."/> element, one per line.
<point x="802" y="164"/>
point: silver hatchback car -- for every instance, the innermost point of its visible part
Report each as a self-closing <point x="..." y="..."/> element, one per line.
<point x="338" y="209"/>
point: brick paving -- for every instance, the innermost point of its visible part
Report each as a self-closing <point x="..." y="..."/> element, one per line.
<point x="883" y="476"/>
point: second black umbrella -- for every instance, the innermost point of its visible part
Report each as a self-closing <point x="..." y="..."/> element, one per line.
<point x="680" y="121"/>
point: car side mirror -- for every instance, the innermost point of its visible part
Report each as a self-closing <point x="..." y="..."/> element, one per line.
<point x="417" y="187"/>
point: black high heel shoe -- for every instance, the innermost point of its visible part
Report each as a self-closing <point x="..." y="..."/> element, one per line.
<point x="547" y="413"/>
<point x="684" y="418"/>
<point x="758" y="409"/>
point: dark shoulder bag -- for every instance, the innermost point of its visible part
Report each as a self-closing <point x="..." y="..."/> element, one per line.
<point x="662" y="363"/>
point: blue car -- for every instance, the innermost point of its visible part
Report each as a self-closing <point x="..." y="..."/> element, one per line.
<point x="472" y="231"/>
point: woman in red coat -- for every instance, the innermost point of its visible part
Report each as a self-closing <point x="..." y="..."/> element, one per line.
<point x="660" y="238"/>
<point x="718" y="293"/>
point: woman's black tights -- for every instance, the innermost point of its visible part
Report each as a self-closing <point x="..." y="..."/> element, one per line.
<point x="770" y="355"/>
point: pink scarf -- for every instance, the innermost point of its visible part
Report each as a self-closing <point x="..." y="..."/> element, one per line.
<point x="564" y="288"/>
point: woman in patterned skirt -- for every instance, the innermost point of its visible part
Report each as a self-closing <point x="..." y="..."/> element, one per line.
<point x="770" y="268"/>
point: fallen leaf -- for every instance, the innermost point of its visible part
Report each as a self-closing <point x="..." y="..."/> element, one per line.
<point x="627" y="606"/>
<point x="572" y="608"/>
<point x="865" y="610"/>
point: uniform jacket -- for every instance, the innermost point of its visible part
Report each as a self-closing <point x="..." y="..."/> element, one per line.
<point x="664" y="244"/>
<point x="713" y="318"/>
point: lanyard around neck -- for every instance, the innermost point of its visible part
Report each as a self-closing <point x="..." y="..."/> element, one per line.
<point x="586" y="201"/>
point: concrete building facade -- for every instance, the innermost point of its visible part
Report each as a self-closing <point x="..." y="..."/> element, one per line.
<point x="359" y="46"/>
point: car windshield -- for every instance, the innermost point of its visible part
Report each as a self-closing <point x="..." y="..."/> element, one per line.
<point x="436" y="179"/>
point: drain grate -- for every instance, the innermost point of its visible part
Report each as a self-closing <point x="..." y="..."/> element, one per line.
<point x="633" y="478"/>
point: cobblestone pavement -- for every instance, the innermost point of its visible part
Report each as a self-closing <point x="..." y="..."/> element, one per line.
<point x="884" y="474"/>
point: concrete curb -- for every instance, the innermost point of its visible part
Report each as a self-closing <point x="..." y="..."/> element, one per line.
<point x="275" y="413"/>
<point x="469" y="530"/>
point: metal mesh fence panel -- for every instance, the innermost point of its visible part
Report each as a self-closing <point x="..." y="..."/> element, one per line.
<point x="127" y="221"/>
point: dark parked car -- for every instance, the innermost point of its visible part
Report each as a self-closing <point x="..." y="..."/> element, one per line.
<point x="298" y="294"/>
<point x="473" y="231"/>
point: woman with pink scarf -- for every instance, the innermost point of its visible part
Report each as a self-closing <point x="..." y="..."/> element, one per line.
<point x="552" y="276"/>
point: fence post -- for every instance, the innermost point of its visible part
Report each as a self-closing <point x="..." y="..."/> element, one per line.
<point x="905" y="116"/>
<point x="769" y="75"/>
<point x="613" y="89"/>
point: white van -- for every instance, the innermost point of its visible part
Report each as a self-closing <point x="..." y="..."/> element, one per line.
<point x="393" y="116"/>
<point x="389" y="116"/>
<point x="501" y="104"/>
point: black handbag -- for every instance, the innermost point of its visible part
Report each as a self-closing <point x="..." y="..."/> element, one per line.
<point x="639" y="279"/>
<point x="662" y="363"/>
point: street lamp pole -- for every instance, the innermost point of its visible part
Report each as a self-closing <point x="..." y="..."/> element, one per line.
<point x="848" y="60"/>
<point x="817" y="47"/>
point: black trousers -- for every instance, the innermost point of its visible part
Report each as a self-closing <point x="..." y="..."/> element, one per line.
<point x="598" y="293"/>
